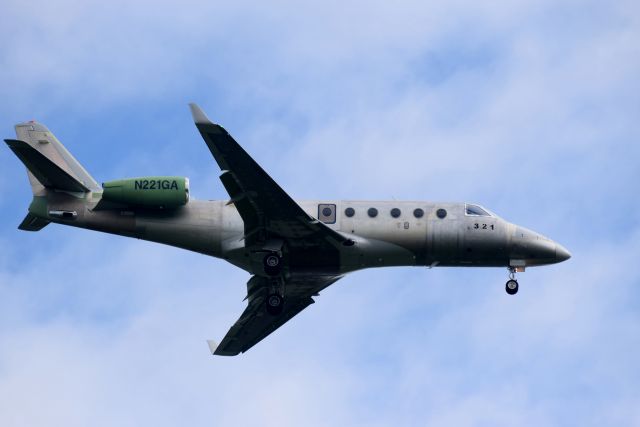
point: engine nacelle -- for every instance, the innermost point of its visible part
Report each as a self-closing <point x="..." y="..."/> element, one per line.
<point x="149" y="192"/>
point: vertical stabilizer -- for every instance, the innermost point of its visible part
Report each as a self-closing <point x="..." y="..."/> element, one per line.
<point x="50" y="167"/>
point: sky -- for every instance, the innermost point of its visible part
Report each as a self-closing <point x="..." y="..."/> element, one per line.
<point x="529" y="108"/>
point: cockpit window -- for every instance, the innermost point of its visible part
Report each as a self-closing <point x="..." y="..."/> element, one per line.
<point x="476" y="210"/>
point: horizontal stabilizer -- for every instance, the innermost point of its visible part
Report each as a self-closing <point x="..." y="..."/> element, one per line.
<point x="33" y="223"/>
<point x="47" y="172"/>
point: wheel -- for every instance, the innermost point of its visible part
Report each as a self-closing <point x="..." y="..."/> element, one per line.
<point x="272" y="264"/>
<point x="272" y="260"/>
<point x="512" y="287"/>
<point x="274" y="303"/>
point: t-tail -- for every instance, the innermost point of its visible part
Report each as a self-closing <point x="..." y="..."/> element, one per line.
<point x="50" y="168"/>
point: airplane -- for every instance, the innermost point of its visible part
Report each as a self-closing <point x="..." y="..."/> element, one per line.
<point x="292" y="249"/>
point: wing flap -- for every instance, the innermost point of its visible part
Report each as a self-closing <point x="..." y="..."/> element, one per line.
<point x="249" y="212"/>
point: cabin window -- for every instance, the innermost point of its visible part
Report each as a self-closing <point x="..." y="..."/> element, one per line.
<point x="327" y="213"/>
<point x="475" y="210"/>
<point x="418" y="213"/>
<point x="349" y="212"/>
<point x="372" y="212"/>
<point x="395" y="212"/>
<point x="441" y="213"/>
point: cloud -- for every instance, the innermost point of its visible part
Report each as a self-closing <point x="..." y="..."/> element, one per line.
<point x="377" y="347"/>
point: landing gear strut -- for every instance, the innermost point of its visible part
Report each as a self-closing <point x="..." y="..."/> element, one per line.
<point x="512" y="284"/>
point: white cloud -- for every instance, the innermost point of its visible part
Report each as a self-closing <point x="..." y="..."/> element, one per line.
<point x="377" y="347"/>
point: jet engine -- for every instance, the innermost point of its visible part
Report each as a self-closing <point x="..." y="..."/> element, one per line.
<point x="149" y="192"/>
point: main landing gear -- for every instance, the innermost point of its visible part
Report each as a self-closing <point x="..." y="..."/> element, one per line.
<point x="275" y="304"/>
<point x="272" y="264"/>
<point x="512" y="284"/>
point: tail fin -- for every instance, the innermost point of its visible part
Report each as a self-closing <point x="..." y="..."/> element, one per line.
<point x="49" y="164"/>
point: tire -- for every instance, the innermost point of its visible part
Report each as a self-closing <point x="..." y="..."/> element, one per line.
<point x="511" y="287"/>
<point x="275" y="304"/>
<point x="272" y="264"/>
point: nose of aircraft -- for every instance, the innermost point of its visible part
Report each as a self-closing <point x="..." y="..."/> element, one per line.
<point x="548" y="251"/>
<point x="562" y="254"/>
<point x="535" y="249"/>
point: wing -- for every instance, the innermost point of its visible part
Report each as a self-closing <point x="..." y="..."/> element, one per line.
<point x="255" y="323"/>
<point x="266" y="209"/>
<point x="270" y="214"/>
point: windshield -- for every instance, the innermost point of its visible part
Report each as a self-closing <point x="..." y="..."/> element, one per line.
<point x="476" y="210"/>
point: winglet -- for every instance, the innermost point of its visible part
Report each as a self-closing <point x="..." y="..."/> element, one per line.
<point x="199" y="117"/>
<point x="212" y="346"/>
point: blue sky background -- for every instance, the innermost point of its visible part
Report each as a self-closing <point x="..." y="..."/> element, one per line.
<point x="530" y="108"/>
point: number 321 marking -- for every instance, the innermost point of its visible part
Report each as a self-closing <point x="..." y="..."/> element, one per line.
<point x="477" y="226"/>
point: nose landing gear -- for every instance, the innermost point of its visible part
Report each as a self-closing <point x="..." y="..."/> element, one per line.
<point x="512" y="284"/>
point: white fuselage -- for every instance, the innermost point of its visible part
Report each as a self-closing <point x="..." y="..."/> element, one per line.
<point x="406" y="239"/>
<point x="406" y="233"/>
